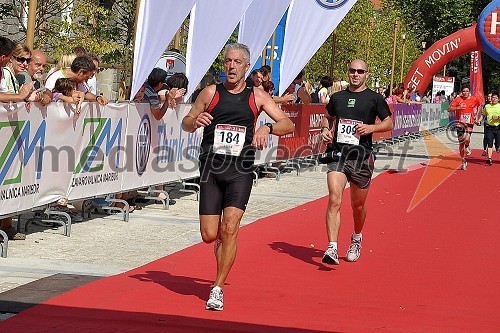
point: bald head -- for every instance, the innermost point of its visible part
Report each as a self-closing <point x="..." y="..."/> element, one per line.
<point x="358" y="73"/>
<point x="358" y="63"/>
<point x="37" y="65"/>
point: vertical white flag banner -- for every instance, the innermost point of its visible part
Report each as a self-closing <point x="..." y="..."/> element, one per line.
<point x="258" y="24"/>
<point x="212" y="23"/>
<point x="157" y="23"/>
<point x="308" y="25"/>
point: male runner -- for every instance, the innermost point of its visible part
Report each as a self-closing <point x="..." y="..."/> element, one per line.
<point x="228" y="112"/>
<point x="352" y="112"/>
<point x="466" y="107"/>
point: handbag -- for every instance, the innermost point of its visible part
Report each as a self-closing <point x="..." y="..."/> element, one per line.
<point x="331" y="154"/>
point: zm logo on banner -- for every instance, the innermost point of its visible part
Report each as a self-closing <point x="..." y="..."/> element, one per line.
<point x="331" y="4"/>
<point x="103" y="133"/>
<point x="19" y="144"/>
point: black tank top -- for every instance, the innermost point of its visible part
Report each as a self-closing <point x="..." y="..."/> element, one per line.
<point x="232" y="109"/>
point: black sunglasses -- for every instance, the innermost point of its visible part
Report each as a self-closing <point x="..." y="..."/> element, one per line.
<point x="357" y="70"/>
<point x="22" y="59"/>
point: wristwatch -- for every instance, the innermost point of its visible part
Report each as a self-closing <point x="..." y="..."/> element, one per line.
<point x="270" y="127"/>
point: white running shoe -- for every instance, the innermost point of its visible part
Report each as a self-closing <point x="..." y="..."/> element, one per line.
<point x="468" y="151"/>
<point x="216" y="299"/>
<point x="464" y="164"/>
<point x="331" y="256"/>
<point x="354" y="250"/>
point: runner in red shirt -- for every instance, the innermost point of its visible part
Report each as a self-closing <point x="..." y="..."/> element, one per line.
<point x="466" y="107"/>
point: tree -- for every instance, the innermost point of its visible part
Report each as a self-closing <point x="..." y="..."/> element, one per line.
<point x="433" y="20"/>
<point x="367" y="34"/>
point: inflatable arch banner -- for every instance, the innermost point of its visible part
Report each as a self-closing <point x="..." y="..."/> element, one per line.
<point x="483" y="36"/>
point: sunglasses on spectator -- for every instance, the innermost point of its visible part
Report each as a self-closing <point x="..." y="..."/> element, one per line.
<point x="357" y="70"/>
<point x="22" y="59"/>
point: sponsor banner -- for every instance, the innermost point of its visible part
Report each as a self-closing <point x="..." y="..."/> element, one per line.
<point x="440" y="83"/>
<point x="431" y="116"/>
<point x="100" y="157"/>
<point x="23" y="134"/>
<point x="268" y="154"/>
<point x="407" y="119"/>
<point x="161" y="151"/>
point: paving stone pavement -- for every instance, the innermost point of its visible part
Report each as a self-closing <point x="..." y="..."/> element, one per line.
<point x="104" y="246"/>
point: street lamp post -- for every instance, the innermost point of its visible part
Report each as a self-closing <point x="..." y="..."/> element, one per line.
<point x="403" y="36"/>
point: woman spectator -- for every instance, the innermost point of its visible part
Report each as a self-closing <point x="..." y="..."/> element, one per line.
<point x="325" y="82"/>
<point x="268" y="87"/>
<point x="21" y="57"/>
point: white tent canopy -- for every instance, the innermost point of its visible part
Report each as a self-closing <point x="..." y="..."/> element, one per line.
<point x="309" y="23"/>
<point x="157" y="23"/>
<point x="212" y="23"/>
<point x="259" y="23"/>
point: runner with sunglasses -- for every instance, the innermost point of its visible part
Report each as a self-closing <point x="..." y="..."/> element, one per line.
<point x="348" y="125"/>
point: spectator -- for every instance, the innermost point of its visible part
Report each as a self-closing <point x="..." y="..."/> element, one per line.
<point x="64" y="61"/>
<point x="266" y="73"/>
<point x="155" y="82"/>
<point x="255" y="79"/>
<point x="6" y="48"/>
<point x="268" y="87"/>
<point x="178" y="81"/>
<point x="80" y="71"/>
<point x="336" y="86"/>
<point x="14" y="62"/>
<point x="64" y="91"/>
<point x="301" y="94"/>
<point x="36" y="69"/>
<point x="326" y="82"/>
<point x="139" y="96"/>
<point x="92" y="82"/>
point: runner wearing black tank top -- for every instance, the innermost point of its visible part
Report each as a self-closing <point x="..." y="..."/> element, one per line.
<point x="228" y="113"/>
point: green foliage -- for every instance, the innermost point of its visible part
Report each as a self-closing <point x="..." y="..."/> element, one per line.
<point x="367" y="34"/>
<point x="433" y="20"/>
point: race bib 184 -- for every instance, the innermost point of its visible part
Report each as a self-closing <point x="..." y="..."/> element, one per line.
<point x="229" y="139"/>
<point x="346" y="131"/>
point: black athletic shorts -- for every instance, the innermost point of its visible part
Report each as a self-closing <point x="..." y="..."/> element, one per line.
<point x="222" y="187"/>
<point x="462" y="129"/>
<point x="357" y="172"/>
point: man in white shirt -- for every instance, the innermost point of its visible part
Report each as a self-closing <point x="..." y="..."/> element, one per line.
<point x="81" y="70"/>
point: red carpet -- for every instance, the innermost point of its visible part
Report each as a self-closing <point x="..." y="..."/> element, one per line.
<point x="433" y="269"/>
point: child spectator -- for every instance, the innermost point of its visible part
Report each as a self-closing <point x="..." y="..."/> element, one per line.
<point x="64" y="90"/>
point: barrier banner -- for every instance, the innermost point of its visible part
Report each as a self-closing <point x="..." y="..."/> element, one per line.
<point x="431" y="116"/>
<point x="268" y="154"/>
<point x="407" y="119"/>
<point x="446" y="117"/>
<point x="23" y="135"/>
<point x="47" y="153"/>
<point x="159" y="151"/>
<point x="289" y="144"/>
<point x="100" y="148"/>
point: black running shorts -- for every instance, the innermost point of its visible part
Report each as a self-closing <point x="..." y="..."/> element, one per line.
<point x="462" y="129"/>
<point x="357" y="172"/>
<point x="223" y="187"/>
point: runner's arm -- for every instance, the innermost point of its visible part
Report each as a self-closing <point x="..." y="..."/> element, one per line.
<point x="198" y="116"/>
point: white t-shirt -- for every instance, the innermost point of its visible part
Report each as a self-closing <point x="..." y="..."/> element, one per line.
<point x="50" y="82"/>
<point x="3" y="85"/>
<point x="92" y="84"/>
<point x="323" y="92"/>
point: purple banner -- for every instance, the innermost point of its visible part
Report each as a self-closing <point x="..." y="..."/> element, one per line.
<point x="406" y="119"/>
